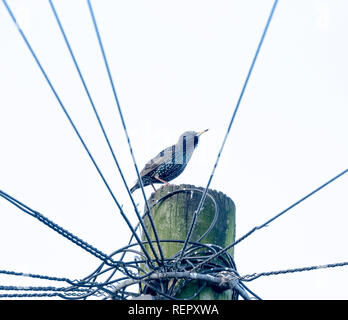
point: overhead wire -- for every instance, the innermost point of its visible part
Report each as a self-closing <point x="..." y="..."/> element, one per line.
<point x="73" y="125"/>
<point x="65" y="233"/>
<point x="251" y="68"/>
<point x="254" y="276"/>
<point x="276" y="216"/>
<point x="118" y="105"/>
<point x="66" y="40"/>
<point x="207" y="262"/>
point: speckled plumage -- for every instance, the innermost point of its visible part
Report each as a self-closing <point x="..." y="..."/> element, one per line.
<point x="170" y="162"/>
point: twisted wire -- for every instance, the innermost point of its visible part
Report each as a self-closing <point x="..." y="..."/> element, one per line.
<point x="71" y="122"/>
<point x="139" y="271"/>
<point x="278" y="215"/>
<point x="65" y="233"/>
<point x="254" y="276"/>
<point x="29" y="295"/>
<point x="37" y="276"/>
<point x="142" y="271"/>
<point x="66" y="40"/>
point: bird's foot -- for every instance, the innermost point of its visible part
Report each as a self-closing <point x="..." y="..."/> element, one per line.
<point x="163" y="181"/>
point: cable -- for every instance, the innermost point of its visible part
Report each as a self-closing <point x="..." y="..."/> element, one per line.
<point x="254" y="276"/>
<point x="71" y="122"/>
<point x="38" y="276"/>
<point x="123" y="122"/>
<point x="276" y="216"/>
<point x="139" y="270"/>
<point x="230" y="124"/>
<point x="98" y="119"/>
<point x="82" y="244"/>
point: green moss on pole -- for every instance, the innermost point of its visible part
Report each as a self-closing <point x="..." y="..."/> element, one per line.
<point x="173" y="217"/>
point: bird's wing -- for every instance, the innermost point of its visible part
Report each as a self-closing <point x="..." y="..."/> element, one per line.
<point x="163" y="156"/>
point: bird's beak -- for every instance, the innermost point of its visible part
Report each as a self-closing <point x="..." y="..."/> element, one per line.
<point x="200" y="133"/>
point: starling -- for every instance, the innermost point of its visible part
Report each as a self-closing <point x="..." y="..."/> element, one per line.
<point x="170" y="162"/>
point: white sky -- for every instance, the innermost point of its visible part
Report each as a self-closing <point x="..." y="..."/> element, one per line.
<point x="180" y="66"/>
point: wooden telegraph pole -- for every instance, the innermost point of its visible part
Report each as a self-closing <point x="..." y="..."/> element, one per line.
<point x="173" y="217"/>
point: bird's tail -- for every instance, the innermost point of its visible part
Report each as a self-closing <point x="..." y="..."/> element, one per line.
<point x="135" y="187"/>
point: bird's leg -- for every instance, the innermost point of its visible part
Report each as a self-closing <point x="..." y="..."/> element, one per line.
<point x="163" y="181"/>
<point x="153" y="187"/>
